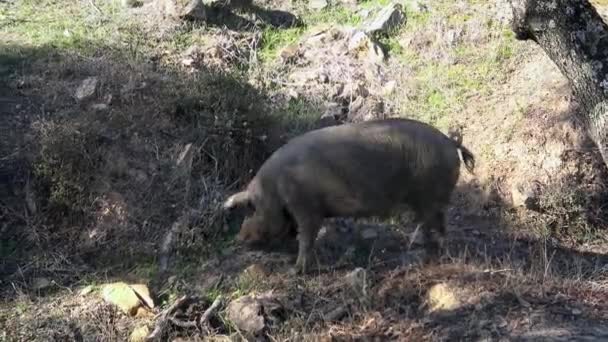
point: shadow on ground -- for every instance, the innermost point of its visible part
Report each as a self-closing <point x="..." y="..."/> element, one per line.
<point x="92" y="178"/>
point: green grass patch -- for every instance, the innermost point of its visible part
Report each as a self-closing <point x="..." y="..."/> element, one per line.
<point x="299" y="116"/>
<point x="273" y="40"/>
<point x="334" y="15"/>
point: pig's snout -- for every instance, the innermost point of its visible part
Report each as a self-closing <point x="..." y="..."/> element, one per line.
<point x="251" y="232"/>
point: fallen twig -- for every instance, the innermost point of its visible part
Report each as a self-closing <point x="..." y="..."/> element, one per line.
<point x="210" y="311"/>
<point x="183" y="324"/>
<point x="164" y="317"/>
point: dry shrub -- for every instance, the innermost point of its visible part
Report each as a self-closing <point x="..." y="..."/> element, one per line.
<point x="571" y="211"/>
<point x="572" y="203"/>
<point x="67" y="153"/>
<point x="84" y="156"/>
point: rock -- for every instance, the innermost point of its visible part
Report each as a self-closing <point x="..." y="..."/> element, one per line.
<point x="256" y="271"/>
<point x="317" y="4"/>
<point x="129" y="298"/>
<point x="253" y="314"/>
<point x="183" y="9"/>
<point x="86" y="89"/>
<point x="357" y="41"/>
<point x="369" y="233"/>
<point x="335" y="314"/>
<point x="525" y="194"/>
<point x="389" y="87"/>
<point x="185" y="157"/>
<point x="442" y="297"/>
<point x="388" y="19"/>
<point x="357" y="280"/>
<point x="139" y="334"/>
<point x="41" y="283"/>
<point x="100" y="107"/>
<point x="292" y="93"/>
<point x="290" y="53"/>
<point x="363" y="46"/>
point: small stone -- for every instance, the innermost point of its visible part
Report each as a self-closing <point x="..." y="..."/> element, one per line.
<point x="292" y="93"/>
<point x="388" y="19"/>
<point x="389" y="87"/>
<point x="323" y="78"/>
<point x="335" y="314"/>
<point x="576" y="312"/>
<point x="139" y="334"/>
<point x="357" y="279"/>
<point x="256" y="270"/>
<point x="369" y="233"/>
<point x="290" y="53"/>
<point x="100" y="107"/>
<point x="187" y="62"/>
<point x="185" y="155"/>
<point x="253" y="313"/>
<point x="442" y="297"/>
<point x="127" y="297"/>
<point x="524" y="194"/>
<point x="86" y="89"/>
<point x="317" y="4"/>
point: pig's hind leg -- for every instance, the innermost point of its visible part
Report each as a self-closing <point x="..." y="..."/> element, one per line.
<point x="433" y="229"/>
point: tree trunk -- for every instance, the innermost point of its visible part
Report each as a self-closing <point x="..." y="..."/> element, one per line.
<point x="575" y="37"/>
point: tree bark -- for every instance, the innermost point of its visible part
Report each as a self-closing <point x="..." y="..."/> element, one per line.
<point x="575" y="37"/>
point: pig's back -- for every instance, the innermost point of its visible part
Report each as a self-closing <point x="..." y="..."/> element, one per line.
<point x="370" y="165"/>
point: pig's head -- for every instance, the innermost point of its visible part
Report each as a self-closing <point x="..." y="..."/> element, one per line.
<point x="256" y="232"/>
<point x="252" y="231"/>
